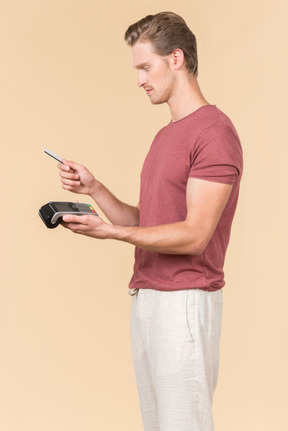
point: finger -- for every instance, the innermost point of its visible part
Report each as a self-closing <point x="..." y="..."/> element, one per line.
<point x="76" y="228"/>
<point x="70" y="218"/>
<point x="72" y="165"/>
<point x="64" y="167"/>
<point x="72" y="189"/>
<point x="68" y="175"/>
<point x="70" y="183"/>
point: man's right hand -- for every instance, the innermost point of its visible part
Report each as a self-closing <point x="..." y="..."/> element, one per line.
<point x="76" y="178"/>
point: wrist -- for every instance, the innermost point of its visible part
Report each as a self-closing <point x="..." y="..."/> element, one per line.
<point x="123" y="233"/>
<point x="94" y="189"/>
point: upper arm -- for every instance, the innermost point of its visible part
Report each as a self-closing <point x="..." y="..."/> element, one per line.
<point x="206" y="201"/>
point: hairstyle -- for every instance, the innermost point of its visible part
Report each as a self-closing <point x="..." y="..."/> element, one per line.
<point x="167" y="32"/>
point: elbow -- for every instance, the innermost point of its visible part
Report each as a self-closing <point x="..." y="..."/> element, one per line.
<point x="199" y="238"/>
<point x="198" y="251"/>
<point x="198" y="247"/>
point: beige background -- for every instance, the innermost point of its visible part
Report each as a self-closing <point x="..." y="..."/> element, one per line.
<point x="66" y="82"/>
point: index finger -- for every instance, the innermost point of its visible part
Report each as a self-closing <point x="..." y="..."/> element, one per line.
<point x="63" y="167"/>
<point x="66" y="166"/>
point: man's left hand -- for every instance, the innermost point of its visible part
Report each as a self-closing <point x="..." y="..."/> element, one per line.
<point x="88" y="225"/>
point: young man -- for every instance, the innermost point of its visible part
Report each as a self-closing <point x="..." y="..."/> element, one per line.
<point x="181" y="227"/>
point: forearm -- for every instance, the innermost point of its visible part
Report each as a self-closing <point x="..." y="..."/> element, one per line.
<point x="117" y="212"/>
<point x="176" y="238"/>
<point x="205" y="203"/>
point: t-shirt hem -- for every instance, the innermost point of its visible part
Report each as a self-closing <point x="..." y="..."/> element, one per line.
<point x="205" y="288"/>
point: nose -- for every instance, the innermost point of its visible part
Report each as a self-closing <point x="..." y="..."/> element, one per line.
<point x="141" y="78"/>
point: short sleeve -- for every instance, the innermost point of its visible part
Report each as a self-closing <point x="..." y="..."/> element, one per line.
<point x="217" y="155"/>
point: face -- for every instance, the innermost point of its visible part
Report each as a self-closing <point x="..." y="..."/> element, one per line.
<point x="155" y="74"/>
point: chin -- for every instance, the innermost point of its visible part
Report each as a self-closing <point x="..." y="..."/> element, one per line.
<point x="158" y="101"/>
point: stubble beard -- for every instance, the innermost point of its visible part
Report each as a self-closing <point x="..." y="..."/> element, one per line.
<point x="160" y="98"/>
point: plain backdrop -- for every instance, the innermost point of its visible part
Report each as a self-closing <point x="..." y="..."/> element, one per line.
<point x="67" y="83"/>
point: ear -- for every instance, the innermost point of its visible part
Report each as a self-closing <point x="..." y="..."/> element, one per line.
<point x="177" y="59"/>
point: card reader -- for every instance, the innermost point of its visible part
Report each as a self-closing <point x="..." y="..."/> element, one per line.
<point x="52" y="213"/>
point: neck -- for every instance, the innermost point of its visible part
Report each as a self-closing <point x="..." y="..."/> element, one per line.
<point x="186" y="98"/>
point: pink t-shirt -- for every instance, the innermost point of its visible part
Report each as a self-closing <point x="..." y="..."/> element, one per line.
<point x="203" y="145"/>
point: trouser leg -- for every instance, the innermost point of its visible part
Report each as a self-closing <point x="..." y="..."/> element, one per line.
<point x="175" y="344"/>
<point x="147" y="396"/>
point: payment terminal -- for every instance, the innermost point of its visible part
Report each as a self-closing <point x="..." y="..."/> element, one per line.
<point x="52" y="213"/>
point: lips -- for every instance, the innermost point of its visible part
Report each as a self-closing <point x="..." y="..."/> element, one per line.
<point x="148" y="90"/>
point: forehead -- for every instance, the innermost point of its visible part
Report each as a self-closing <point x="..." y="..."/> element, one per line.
<point x="143" y="53"/>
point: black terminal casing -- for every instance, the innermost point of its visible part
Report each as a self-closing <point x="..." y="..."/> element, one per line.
<point x="51" y="213"/>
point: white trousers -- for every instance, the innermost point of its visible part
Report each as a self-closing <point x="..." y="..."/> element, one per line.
<point x="175" y="345"/>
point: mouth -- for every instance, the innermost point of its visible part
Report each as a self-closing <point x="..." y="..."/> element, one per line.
<point x="148" y="91"/>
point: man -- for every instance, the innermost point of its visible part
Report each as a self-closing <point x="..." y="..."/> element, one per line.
<point x="181" y="227"/>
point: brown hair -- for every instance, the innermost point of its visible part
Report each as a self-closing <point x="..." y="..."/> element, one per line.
<point x="167" y="32"/>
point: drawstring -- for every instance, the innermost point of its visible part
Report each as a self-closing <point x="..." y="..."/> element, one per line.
<point x="133" y="292"/>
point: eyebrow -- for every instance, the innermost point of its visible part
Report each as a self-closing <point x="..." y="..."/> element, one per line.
<point x="139" y="66"/>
